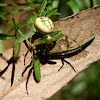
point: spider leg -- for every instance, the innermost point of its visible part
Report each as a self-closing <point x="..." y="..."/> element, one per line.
<point x="29" y="50"/>
<point x="26" y="56"/>
<point x="62" y="65"/>
<point x="26" y="68"/>
<point x="63" y="60"/>
<point x="69" y="64"/>
<point x="29" y="73"/>
<point x="68" y="46"/>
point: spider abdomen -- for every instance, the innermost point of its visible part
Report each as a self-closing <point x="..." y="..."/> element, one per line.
<point x="43" y="25"/>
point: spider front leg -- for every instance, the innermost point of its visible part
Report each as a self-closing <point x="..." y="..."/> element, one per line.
<point x="66" y="37"/>
<point x="68" y="44"/>
<point x="29" y="50"/>
<point x="34" y="59"/>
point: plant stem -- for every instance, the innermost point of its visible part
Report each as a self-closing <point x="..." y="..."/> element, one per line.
<point x="13" y="12"/>
<point x="6" y="20"/>
<point x="6" y="5"/>
<point x="24" y="37"/>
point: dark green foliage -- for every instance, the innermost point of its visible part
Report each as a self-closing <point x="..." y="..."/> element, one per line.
<point x="42" y="9"/>
<point x="73" y="6"/>
<point x="5" y="36"/>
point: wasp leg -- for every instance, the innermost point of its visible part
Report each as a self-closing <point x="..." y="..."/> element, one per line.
<point x="63" y="60"/>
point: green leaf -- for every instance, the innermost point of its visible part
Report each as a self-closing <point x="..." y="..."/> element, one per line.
<point x="73" y="6"/>
<point x="39" y="41"/>
<point x="15" y="47"/>
<point x="54" y="36"/>
<point x="5" y="36"/>
<point x="43" y="13"/>
<point x="33" y="28"/>
<point x="37" y="68"/>
<point x="32" y="19"/>
<point x="42" y="9"/>
<point x="24" y="37"/>
<point x="52" y="12"/>
<point x="57" y="13"/>
<point x="26" y="2"/>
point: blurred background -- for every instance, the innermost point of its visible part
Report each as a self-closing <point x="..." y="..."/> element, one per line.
<point x="86" y="86"/>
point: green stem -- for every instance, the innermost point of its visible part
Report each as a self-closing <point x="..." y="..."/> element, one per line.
<point x="24" y="4"/>
<point x="18" y="29"/>
<point x="6" y="5"/>
<point x="13" y="12"/>
<point x="6" y="20"/>
<point x="24" y="37"/>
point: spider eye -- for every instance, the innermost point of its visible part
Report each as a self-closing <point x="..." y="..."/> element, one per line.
<point x="44" y="25"/>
